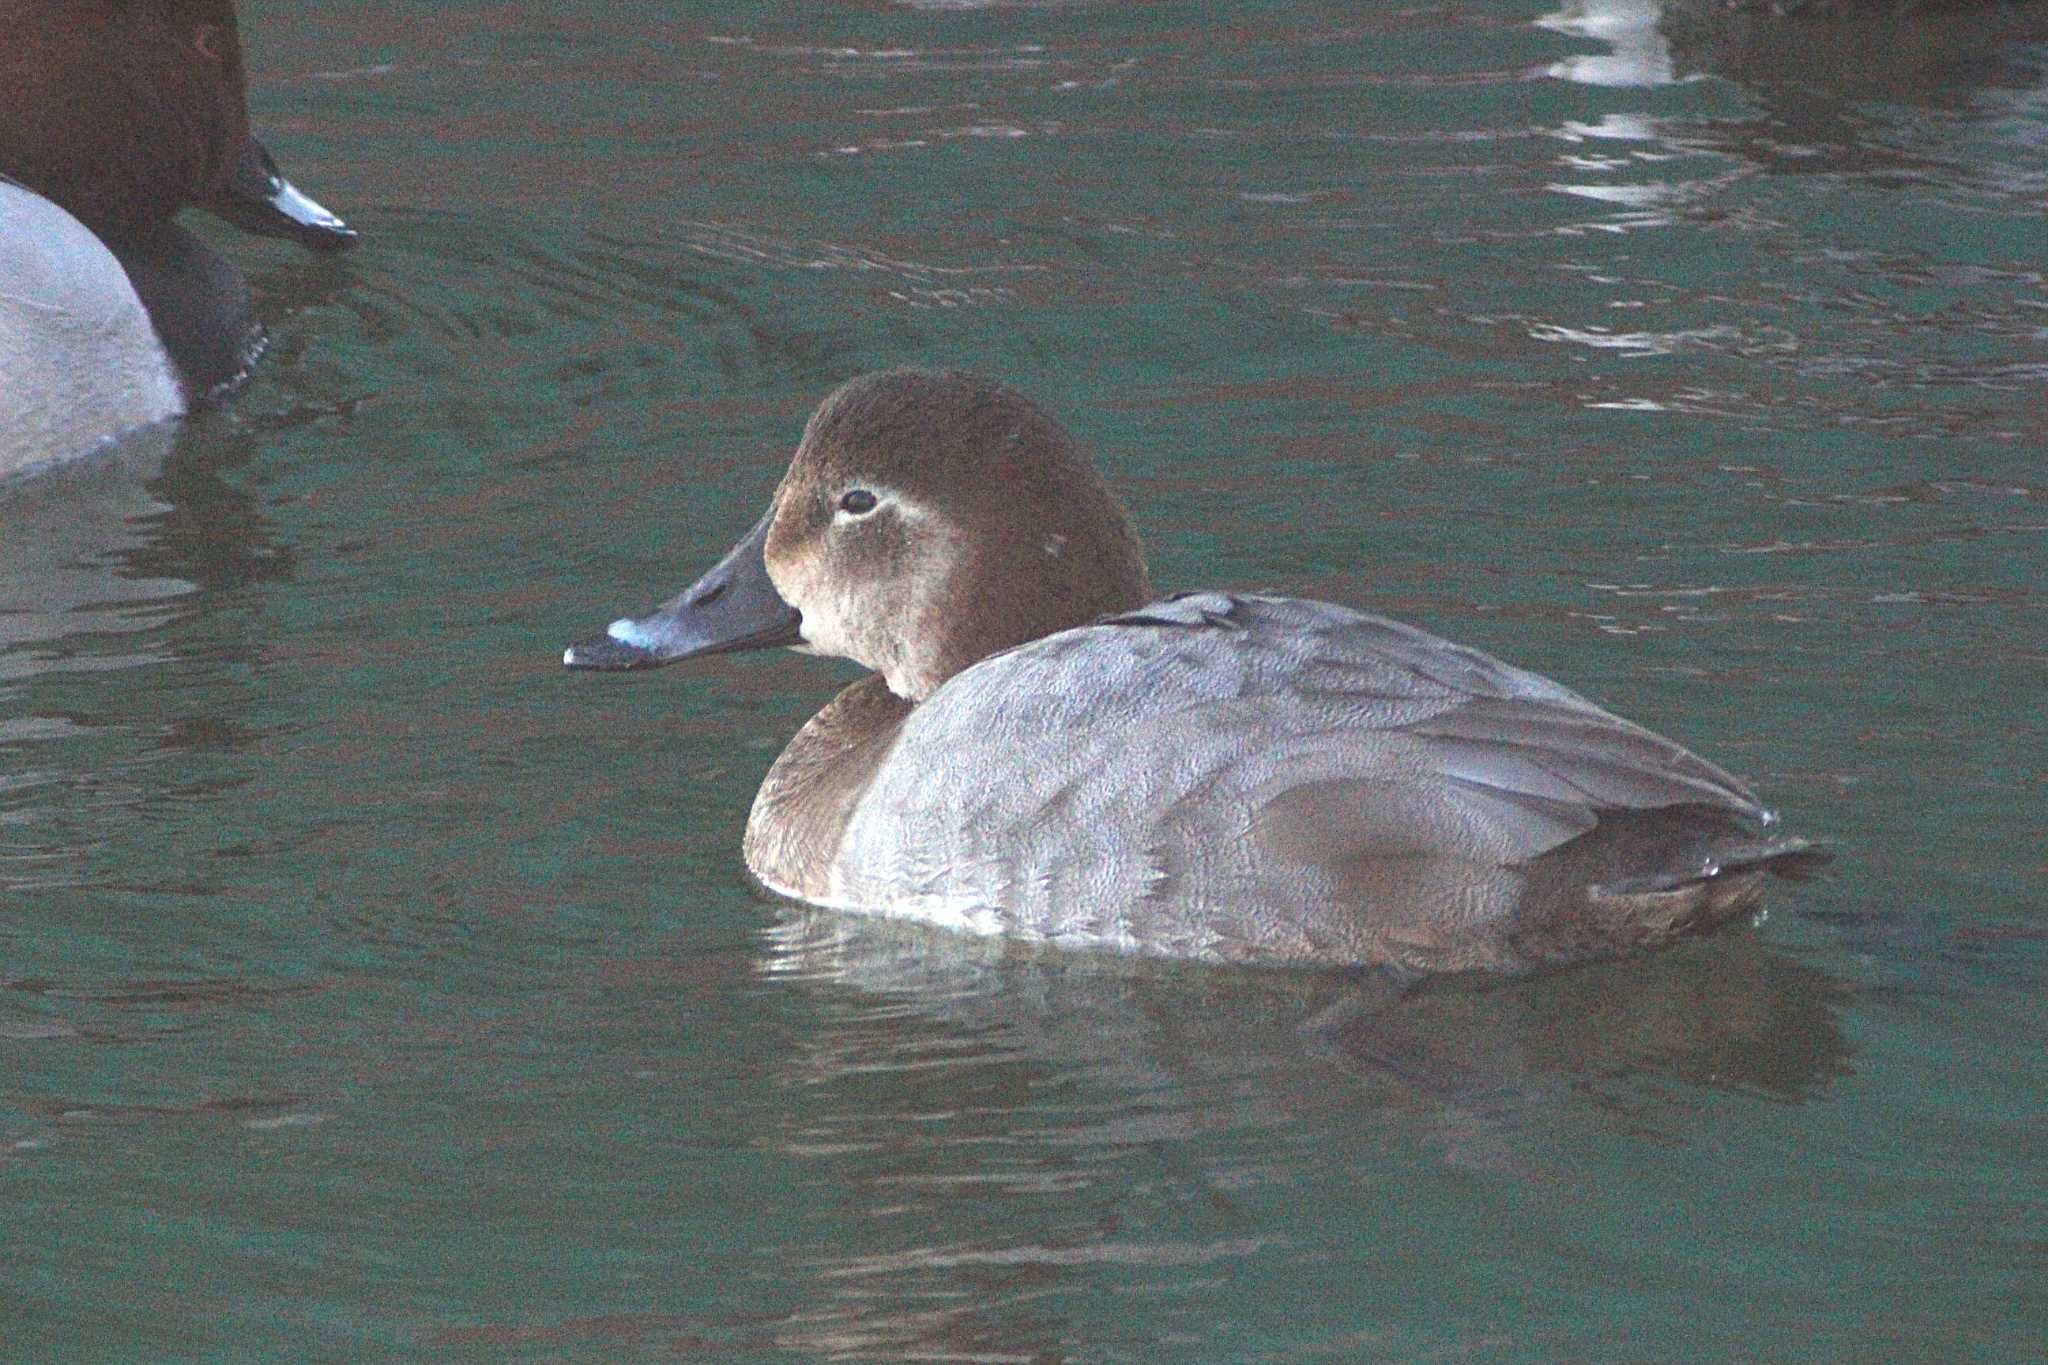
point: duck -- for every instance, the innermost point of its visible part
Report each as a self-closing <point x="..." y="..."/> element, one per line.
<point x="116" y="115"/>
<point x="1046" y="750"/>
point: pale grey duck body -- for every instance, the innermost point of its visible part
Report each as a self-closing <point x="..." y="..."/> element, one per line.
<point x="1224" y="777"/>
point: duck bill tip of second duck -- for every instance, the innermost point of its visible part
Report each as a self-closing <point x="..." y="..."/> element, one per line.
<point x="257" y="198"/>
<point x="732" y="607"/>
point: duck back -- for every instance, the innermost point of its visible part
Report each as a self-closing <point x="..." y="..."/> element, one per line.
<point x="1259" y="779"/>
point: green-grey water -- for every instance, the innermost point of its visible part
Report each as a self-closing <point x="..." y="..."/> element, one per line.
<point x="371" y="987"/>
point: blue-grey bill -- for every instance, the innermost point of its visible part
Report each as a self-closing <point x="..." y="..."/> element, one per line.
<point x="734" y="606"/>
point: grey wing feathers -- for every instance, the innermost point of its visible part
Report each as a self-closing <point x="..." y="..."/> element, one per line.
<point x="1576" y="754"/>
<point x="1491" y="725"/>
<point x="1119" y="752"/>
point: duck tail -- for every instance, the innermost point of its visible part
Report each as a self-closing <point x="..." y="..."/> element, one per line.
<point x="1786" y="856"/>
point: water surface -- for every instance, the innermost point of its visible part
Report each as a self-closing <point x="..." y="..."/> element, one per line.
<point x="370" y="986"/>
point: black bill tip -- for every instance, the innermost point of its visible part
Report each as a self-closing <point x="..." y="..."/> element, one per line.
<point x="604" y="652"/>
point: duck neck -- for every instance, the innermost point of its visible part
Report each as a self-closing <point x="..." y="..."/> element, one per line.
<point x="1073" y="574"/>
<point x="197" y="301"/>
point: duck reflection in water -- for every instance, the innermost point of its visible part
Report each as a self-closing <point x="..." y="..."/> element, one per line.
<point x="1144" y="1115"/>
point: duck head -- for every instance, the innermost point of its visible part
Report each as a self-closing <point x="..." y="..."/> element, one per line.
<point x="926" y="522"/>
<point x="125" y="111"/>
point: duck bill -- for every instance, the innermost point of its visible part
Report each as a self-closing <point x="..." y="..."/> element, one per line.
<point x="260" y="200"/>
<point x="735" y="606"/>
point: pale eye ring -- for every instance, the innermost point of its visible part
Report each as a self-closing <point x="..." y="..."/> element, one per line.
<point x="858" y="502"/>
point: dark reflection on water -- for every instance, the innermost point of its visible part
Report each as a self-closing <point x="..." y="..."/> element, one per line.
<point x="944" y="1071"/>
<point x="1811" y="73"/>
<point x="1734" y="1014"/>
<point x="77" y="574"/>
<point x="130" y="563"/>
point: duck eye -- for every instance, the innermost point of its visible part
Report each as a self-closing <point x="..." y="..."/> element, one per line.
<point x="859" y="502"/>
